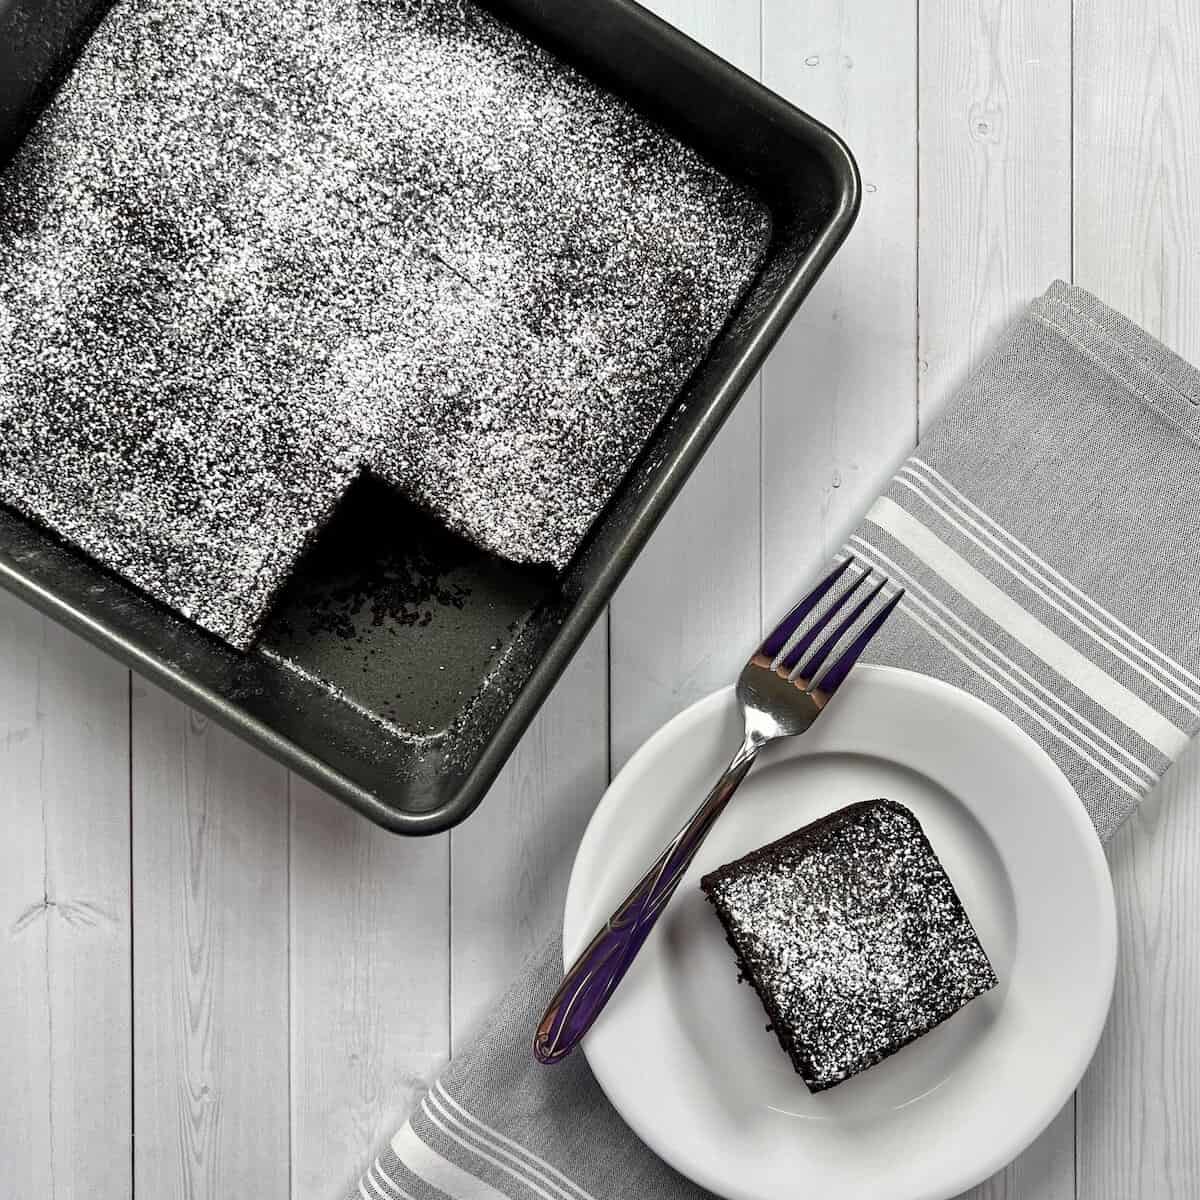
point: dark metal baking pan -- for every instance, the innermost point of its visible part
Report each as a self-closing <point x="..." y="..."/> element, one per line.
<point x="401" y="665"/>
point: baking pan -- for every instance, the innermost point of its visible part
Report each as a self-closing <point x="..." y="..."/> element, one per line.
<point x="400" y="665"/>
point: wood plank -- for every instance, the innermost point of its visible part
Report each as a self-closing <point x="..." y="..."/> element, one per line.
<point x="1137" y="246"/>
<point x="685" y="615"/>
<point x="675" y="626"/>
<point x="65" y="1023"/>
<point x="1139" y="1104"/>
<point x="839" y="391"/>
<point x="995" y="223"/>
<point x="1137" y="162"/>
<point x="210" y="985"/>
<point x="994" y="230"/>
<point x="369" y="984"/>
<point x="511" y="858"/>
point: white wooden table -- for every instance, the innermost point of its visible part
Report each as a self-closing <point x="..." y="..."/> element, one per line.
<point x="216" y="983"/>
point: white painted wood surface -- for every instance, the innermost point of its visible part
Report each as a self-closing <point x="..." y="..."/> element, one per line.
<point x="66" y="1117"/>
<point x="1137" y="245"/>
<point x="198" y="949"/>
<point x="210" y="958"/>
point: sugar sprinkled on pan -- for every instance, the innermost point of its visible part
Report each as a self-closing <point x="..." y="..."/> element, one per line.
<point x="251" y="250"/>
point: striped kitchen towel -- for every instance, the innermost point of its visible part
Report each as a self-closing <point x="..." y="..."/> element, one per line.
<point x="1045" y="532"/>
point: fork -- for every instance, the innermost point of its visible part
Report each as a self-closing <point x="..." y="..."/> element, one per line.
<point x="781" y="691"/>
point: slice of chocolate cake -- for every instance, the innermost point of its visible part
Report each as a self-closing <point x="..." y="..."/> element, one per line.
<point x="852" y="935"/>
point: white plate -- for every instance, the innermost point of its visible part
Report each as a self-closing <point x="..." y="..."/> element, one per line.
<point x="681" y="1050"/>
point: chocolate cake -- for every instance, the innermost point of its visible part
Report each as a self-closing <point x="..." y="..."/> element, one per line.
<point x="251" y="251"/>
<point x="852" y="935"/>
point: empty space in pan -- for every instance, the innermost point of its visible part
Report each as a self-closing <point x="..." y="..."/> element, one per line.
<point x="399" y="615"/>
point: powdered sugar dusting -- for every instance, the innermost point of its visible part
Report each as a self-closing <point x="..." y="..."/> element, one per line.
<point x="250" y="251"/>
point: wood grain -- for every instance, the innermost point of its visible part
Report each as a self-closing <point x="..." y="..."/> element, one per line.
<point x="65" y="1023"/>
<point x="994" y="231"/>
<point x="839" y="390"/>
<point x="676" y="626"/>
<point x="1137" y="246"/>
<point x="369" y="986"/>
<point x="995" y="196"/>
<point x="210" y="980"/>
<point x="1139" y="1107"/>
<point x="684" y="619"/>
<point x="512" y="858"/>
<point x="1137" y="162"/>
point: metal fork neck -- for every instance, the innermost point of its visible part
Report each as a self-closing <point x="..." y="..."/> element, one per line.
<point x="753" y="741"/>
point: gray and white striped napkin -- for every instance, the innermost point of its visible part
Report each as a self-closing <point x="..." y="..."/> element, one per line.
<point x="1045" y="534"/>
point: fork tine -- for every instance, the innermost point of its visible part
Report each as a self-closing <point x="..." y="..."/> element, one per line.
<point x="777" y="638"/>
<point x="833" y="678"/>
<point x="813" y="665"/>
<point x="801" y="648"/>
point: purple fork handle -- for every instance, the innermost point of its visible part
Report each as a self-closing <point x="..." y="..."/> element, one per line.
<point x="587" y="986"/>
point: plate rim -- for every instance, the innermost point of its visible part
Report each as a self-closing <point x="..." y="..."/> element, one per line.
<point x="1039" y="1115"/>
